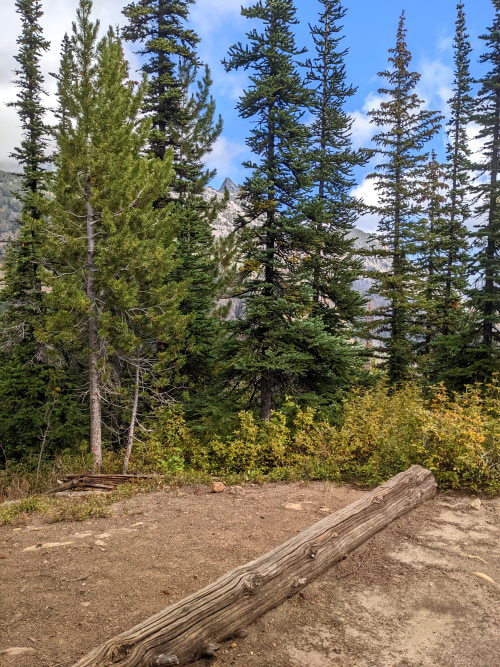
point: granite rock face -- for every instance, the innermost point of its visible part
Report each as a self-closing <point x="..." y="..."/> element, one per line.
<point x="10" y="208"/>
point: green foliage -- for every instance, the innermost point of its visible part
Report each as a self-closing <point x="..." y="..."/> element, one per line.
<point x="404" y="128"/>
<point x="382" y="432"/>
<point x="331" y="211"/>
<point x="183" y="122"/>
<point x="112" y="303"/>
<point x="40" y="411"/>
<point x="455" y="436"/>
<point x="485" y="295"/>
<point x="280" y="344"/>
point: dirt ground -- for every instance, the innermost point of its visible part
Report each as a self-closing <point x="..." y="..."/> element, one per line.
<point x="412" y="595"/>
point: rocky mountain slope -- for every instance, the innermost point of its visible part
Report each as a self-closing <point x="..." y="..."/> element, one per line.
<point x="10" y="207"/>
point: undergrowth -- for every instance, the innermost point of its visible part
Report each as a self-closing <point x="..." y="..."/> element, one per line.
<point x="382" y="433"/>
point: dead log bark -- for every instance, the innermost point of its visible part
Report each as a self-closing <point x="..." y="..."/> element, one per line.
<point x="90" y="481"/>
<point x="194" y="626"/>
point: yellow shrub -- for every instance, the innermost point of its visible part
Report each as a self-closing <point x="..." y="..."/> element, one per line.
<point x="382" y="433"/>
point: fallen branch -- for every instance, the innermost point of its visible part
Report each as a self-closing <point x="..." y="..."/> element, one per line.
<point x="93" y="481"/>
<point x="193" y="627"/>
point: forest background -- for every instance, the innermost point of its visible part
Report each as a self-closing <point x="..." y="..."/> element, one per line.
<point x="120" y="342"/>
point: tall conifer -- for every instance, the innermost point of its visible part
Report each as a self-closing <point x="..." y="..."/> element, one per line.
<point x="485" y="295"/>
<point x="109" y="251"/>
<point x="404" y="127"/>
<point x="23" y="288"/>
<point x="24" y="381"/>
<point x="432" y="249"/>
<point x="331" y="210"/>
<point x="185" y="122"/>
<point x="459" y="177"/>
<point x="277" y="345"/>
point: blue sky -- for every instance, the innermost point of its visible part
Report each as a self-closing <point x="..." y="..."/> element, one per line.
<point x="370" y="28"/>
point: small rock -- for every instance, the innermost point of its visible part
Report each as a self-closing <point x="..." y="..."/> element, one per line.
<point x="139" y="523"/>
<point x="17" y="650"/>
<point x="297" y="507"/>
<point x="235" y="489"/>
<point x="233" y="645"/>
<point x="324" y="510"/>
<point x="85" y="604"/>
<point x="476" y="504"/>
<point x="218" y="487"/>
<point x="102" y="536"/>
<point x="100" y="543"/>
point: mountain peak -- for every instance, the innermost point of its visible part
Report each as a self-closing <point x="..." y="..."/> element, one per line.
<point x="231" y="187"/>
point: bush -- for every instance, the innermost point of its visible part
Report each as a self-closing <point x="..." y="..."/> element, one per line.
<point x="454" y="436"/>
<point x="382" y="433"/>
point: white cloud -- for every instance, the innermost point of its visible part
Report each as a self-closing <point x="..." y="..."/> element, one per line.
<point x="445" y="44"/>
<point x="226" y="157"/>
<point x="476" y="144"/>
<point x="367" y="193"/>
<point x="362" y="129"/>
<point x="58" y="17"/>
<point x="435" y="84"/>
<point x="209" y="14"/>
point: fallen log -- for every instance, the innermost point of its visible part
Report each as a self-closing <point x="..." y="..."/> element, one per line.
<point x="96" y="481"/>
<point x="193" y="627"/>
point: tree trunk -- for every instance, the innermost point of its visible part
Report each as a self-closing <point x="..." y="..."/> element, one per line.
<point x="491" y="250"/>
<point x="194" y="626"/>
<point x="133" y="418"/>
<point x="266" y="395"/>
<point x="93" y="338"/>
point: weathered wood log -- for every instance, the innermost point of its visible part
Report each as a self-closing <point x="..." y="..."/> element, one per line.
<point x="96" y="481"/>
<point x="115" y="478"/>
<point x="194" y="626"/>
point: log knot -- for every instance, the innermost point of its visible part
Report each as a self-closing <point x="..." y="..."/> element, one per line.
<point x="298" y="583"/>
<point x="211" y="649"/>
<point x="252" y="583"/>
<point x="165" y="659"/>
<point x="313" y="551"/>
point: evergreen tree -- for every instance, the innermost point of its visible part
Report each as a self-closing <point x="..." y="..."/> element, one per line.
<point x="458" y="159"/>
<point x="25" y="383"/>
<point x="332" y="212"/>
<point x="277" y="346"/>
<point x="112" y="304"/>
<point x="404" y="127"/>
<point x="485" y="296"/>
<point x="159" y="25"/>
<point x="432" y="249"/>
<point x="185" y="122"/>
<point x="22" y="283"/>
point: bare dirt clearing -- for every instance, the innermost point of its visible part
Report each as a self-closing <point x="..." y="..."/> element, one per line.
<point x="412" y="595"/>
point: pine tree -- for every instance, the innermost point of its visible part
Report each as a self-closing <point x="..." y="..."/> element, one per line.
<point x="160" y="26"/>
<point x="404" y="129"/>
<point x="485" y="296"/>
<point x="432" y="249"/>
<point x="184" y="122"/>
<point x="277" y="346"/>
<point x="24" y="381"/>
<point x="458" y="159"/>
<point x="332" y="211"/>
<point x="111" y="304"/>
<point x="22" y="283"/>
